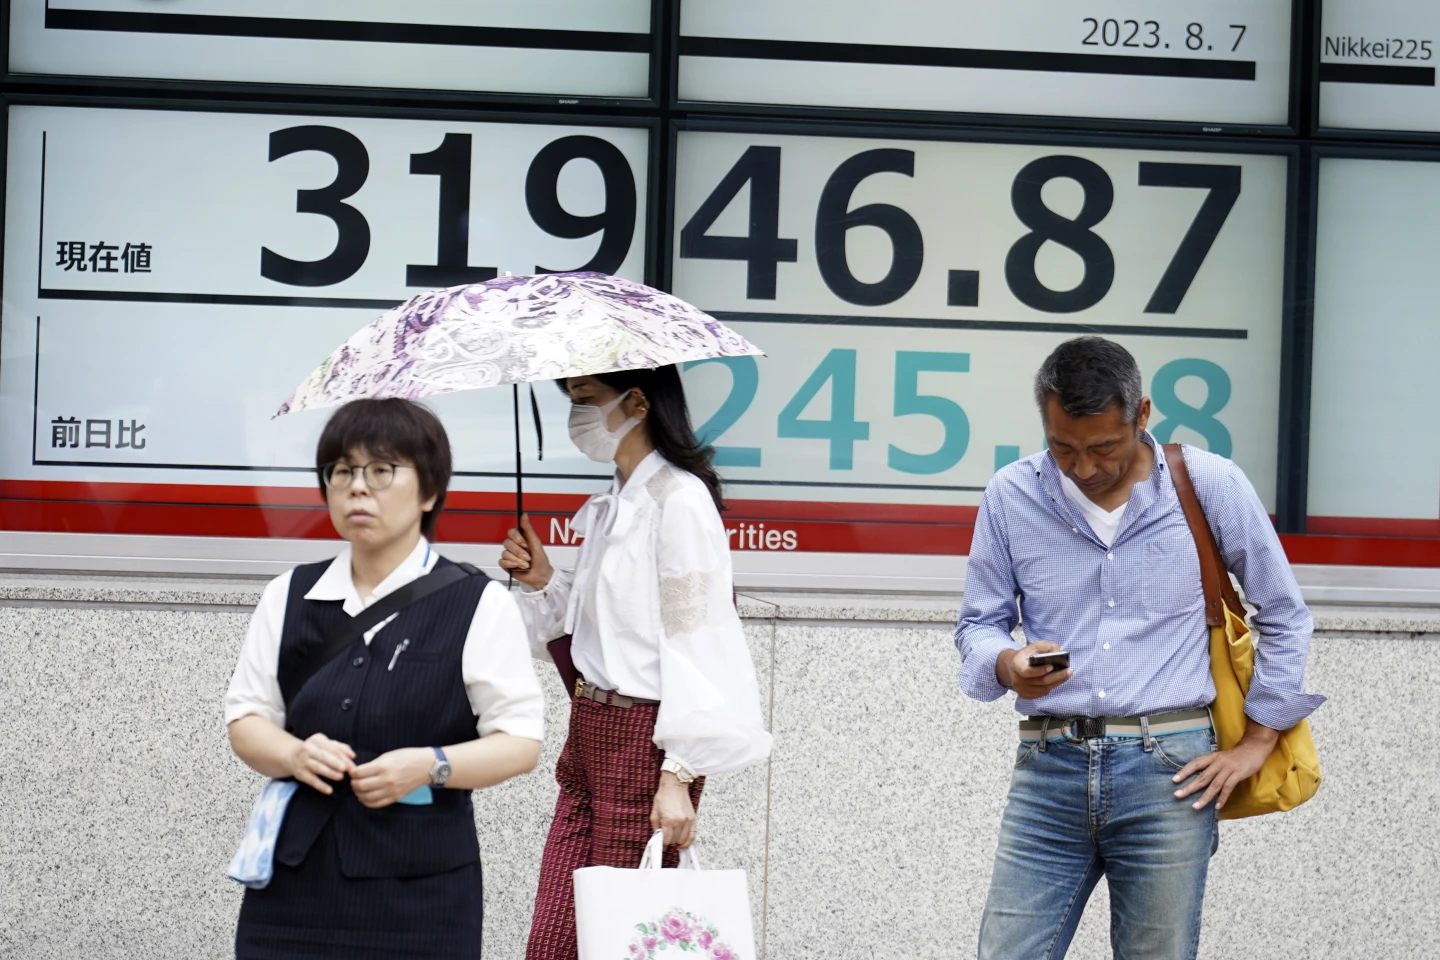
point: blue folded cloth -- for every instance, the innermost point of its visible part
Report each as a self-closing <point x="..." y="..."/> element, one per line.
<point x="419" y="797"/>
<point x="254" y="862"/>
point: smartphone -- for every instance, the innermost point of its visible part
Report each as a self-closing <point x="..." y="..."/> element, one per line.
<point x="1060" y="659"/>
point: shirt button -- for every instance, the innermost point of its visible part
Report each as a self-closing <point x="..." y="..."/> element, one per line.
<point x="345" y="704"/>
<point x="1107" y="646"/>
<point x="1109" y="556"/>
<point x="1112" y="603"/>
<point x="358" y="661"/>
<point x="1102" y="694"/>
<point x="1074" y="529"/>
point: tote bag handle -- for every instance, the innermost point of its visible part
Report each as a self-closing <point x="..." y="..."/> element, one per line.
<point x="655" y="854"/>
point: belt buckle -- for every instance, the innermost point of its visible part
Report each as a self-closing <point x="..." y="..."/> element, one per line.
<point x="580" y="687"/>
<point x="1084" y="728"/>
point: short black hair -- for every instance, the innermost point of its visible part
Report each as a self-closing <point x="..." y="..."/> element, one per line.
<point x="392" y="429"/>
<point x="1089" y="375"/>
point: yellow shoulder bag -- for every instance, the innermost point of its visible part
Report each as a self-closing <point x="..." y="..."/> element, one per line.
<point x="1291" y="775"/>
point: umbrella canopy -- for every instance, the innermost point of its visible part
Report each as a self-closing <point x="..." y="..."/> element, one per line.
<point x="515" y="330"/>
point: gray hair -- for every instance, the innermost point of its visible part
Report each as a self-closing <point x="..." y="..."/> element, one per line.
<point x="1088" y="375"/>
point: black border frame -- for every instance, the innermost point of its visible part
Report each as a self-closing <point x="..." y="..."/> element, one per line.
<point x="988" y="120"/>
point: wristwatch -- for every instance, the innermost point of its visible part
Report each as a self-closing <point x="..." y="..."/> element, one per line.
<point x="677" y="768"/>
<point x="439" y="773"/>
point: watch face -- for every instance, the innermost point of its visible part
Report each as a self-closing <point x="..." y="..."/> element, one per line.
<point x="441" y="773"/>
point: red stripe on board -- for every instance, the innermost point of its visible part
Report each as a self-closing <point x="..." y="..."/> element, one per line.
<point x="769" y="525"/>
<point x="1372" y="527"/>
<point x="205" y="520"/>
<point x="1362" y="551"/>
<point x="299" y="513"/>
<point x="233" y="496"/>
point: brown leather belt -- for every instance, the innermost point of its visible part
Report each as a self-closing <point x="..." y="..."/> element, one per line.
<point x="584" y="688"/>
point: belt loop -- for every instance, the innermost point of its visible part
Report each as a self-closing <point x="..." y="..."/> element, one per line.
<point x="1044" y="734"/>
<point x="1145" y="733"/>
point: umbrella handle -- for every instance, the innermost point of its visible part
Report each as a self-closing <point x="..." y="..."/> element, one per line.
<point x="519" y="462"/>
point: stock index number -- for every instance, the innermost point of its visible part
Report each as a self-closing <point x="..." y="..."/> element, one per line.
<point x="451" y="164"/>
<point x="763" y="249"/>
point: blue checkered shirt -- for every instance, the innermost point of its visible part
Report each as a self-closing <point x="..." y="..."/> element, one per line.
<point x="1132" y="615"/>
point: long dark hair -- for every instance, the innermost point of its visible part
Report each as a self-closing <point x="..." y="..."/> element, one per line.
<point x="668" y="422"/>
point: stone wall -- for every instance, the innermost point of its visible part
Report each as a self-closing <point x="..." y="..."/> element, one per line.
<point x="870" y="833"/>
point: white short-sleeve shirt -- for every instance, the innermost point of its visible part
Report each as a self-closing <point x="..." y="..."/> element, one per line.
<point x="498" y="672"/>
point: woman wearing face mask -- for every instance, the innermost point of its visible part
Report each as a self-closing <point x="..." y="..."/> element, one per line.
<point x="667" y="692"/>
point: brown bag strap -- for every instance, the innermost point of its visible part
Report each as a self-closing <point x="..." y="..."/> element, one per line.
<point x="1213" y="575"/>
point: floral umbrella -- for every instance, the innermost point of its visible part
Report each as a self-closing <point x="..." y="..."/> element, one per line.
<point x="515" y="330"/>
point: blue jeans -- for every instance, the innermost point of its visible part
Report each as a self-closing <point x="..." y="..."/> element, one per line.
<point x="1078" y="810"/>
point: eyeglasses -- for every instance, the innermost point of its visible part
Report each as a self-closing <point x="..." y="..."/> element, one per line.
<point x="378" y="474"/>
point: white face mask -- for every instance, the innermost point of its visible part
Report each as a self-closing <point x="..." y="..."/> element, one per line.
<point x="589" y="431"/>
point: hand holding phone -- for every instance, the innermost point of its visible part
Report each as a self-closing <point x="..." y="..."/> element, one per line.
<point x="1056" y="659"/>
<point x="1034" y="670"/>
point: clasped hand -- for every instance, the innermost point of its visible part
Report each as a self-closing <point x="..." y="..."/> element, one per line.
<point x="376" y="784"/>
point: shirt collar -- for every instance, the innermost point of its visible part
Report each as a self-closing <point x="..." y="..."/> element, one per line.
<point x="337" y="582"/>
<point x="1142" y="496"/>
<point x="644" y="470"/>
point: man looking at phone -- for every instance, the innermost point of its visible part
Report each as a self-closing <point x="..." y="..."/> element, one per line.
<point x="1117" y="772"/>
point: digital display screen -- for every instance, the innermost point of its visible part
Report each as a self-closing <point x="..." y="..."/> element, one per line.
<point x="171" y="277"/>
<point x="1375" y="344"/>
<point x="1217" y="62"/>
<point x="592" y="48"/>
<point x="907" y="291"/>
<point x="1377" y="65"/>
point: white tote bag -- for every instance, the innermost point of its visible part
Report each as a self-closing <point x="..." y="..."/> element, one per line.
<point x="655" y="914"/>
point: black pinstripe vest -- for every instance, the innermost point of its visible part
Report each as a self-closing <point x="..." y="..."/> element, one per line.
<point x="377" y="701"/>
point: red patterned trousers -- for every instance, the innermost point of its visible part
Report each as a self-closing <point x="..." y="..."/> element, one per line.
<point x="608" y="774"/>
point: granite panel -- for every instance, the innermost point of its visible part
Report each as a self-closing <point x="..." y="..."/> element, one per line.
<point x="888" y="786"/>
<point x="124" y="802"/>
<point x="886" y="795"/>
<point x="870" y="833"/>
<point x="1350" y="874"/>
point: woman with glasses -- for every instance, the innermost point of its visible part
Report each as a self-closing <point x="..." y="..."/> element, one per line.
<point x="377" y="854"/>
<point x="667" y="691"/>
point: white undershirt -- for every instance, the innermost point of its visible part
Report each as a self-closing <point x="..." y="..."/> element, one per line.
<point x="1104" y="523"/>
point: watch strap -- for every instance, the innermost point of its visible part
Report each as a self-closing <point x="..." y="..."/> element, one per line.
<point x="440" y="761"/>
<point x="682" y="772"/>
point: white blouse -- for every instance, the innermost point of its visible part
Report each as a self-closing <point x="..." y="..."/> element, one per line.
<point x="498" y="672"/>
<point x="650" y="606"/>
